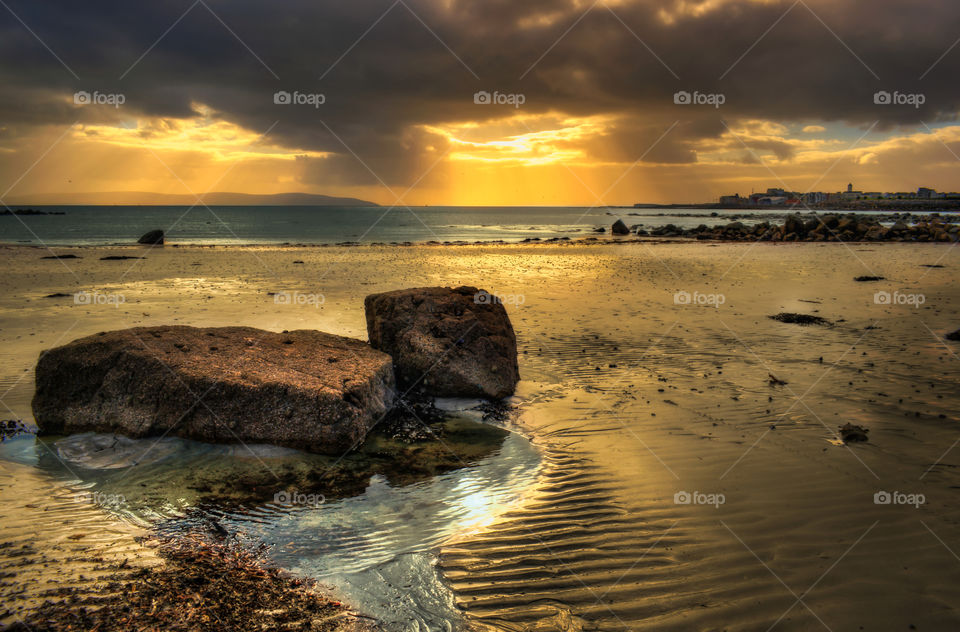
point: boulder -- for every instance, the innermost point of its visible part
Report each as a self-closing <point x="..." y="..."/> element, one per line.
<point x="845" y="224"/>
<point x="449" y="342"/>
<point x="619" y="228"/>
<point x="830" y="221"/>
<point x="152" y="238"/>
<point x="793" y="224"/>
<point x="302" y="389"/>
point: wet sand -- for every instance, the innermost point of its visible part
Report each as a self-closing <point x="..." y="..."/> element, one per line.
<point x="54" y="540"/>
<point x="636" y="395"/>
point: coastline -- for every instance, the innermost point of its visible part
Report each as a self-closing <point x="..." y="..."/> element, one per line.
<point x="851" y="228"/>
<point x="251" y="226"/>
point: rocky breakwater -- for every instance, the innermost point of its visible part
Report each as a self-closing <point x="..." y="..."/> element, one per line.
<point x="302" y="389"/>
<point x="827" y="228"/>
<point x="446" y="342"/>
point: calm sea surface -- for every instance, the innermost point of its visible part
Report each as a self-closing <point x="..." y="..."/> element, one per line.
<point x="101" y="225"/>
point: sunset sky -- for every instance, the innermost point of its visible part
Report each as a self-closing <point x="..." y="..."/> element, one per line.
<point x="598" y="122"/>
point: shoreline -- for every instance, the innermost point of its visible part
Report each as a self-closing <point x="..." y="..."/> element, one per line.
<point x="830" y="228"/>
<point x="551" y="242"/>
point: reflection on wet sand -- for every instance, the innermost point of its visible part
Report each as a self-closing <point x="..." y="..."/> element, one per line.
<point x="638" y="402"/>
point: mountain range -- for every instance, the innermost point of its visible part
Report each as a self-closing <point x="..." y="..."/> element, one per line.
<point x="141" y="198"/>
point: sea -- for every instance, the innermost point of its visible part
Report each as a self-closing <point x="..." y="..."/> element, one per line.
<point x="274" y="225"/>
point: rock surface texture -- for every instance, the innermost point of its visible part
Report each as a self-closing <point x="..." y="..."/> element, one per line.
<point x="302" y="389"/>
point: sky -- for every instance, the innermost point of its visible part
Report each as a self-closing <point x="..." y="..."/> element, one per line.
<point x="479" y="102"/>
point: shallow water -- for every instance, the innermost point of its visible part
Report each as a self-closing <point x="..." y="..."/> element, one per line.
<point x="349" y="543"/>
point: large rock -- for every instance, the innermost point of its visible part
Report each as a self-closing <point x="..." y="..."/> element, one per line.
<point x="619" y="228"/>
<point x="303" y="389"/>
<point x="451" y="342"/>
<point x="152" y="238"/>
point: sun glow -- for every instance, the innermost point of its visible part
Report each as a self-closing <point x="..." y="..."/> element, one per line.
<point x="522" y="139"/>
<point x="205" y="134"/>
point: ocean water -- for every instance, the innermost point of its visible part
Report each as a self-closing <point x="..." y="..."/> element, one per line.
<point x="107" y="225"/>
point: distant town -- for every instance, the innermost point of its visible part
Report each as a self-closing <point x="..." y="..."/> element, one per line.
<point x="781" y="197"/>
<point x="922" y="198"/>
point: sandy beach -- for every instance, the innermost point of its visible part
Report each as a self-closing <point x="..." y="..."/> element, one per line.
<point x="692" y="478"/>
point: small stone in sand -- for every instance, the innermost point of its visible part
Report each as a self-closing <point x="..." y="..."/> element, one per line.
<point x="799" y="319"/>
<point x="851" y="433"/>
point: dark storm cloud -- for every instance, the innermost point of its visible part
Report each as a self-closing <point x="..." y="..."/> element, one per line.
<point x="401" y="74"/>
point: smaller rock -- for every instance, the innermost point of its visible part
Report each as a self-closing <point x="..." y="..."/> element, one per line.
<point x="799" y="319"/>
<point x="851" y="433"/>
<point x="451" y="342"/>
<point x="152" y="238"/>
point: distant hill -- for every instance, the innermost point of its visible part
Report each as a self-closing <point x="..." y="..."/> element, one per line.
<point x="140" y="198"/>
